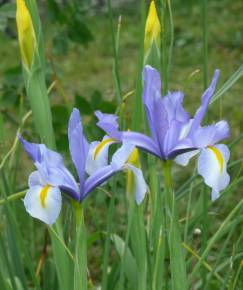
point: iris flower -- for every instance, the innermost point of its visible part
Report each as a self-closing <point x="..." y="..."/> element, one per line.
<point x="43" y="200"/>
<point x="174" y="134"/>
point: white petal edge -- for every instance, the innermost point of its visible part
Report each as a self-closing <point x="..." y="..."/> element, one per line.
<point x="121" y="155"/>
<point x="184" y="158"/>
<point x="210" y="169"/>
<point x="140" y="184"/>
<point x="53" y="203"/>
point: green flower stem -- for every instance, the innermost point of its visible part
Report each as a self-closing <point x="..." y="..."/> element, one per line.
<point x="62" y="243"/>
<point x="128" y="232"/>
<point x="108" y="239"/>
<point x="205" y="200"/>
<point x="177" y="261"/>
<point x="80" y="257"/>
<point x="12" y="197"/>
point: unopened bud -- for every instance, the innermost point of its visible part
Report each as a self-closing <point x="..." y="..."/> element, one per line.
<point x="152" y="28"/>
<point x="26" y="33"/>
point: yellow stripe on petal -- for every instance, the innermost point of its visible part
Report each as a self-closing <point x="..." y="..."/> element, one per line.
<point x="218" y="156"/>
<point x="43" y="195"/>
<point x="26" y="34"/>
<point x="134" y="158"/>
<point x="101" y="145"/>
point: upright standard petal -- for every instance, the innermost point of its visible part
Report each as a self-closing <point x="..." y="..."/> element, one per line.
<point x="171" y="138"/>
<point x="212" y="166"/>
<point x="40" y="154"/>
<point x="109" y="123"/>
<point x="43" y="203"/>
<point x="161" y="125"/>
<point x="31" y="149"/>
<point x="151" y="94"/>
<point x="173" y="104"/>
<point x="78" y="145"/>
<point x="206" y="97"/>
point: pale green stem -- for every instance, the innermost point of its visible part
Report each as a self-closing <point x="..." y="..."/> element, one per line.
<point x="108" y="240"/>
<point x="130" y="217"/>
<point x="177" y="260"/>
<point x="80" y="258"/>
<point x="237" y="276"/>
<point x="51" y="229"/>
<point x="12" y="197"/>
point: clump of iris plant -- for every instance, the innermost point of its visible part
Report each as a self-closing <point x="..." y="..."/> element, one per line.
<point x="43" y="200"/>
<point x="175" y="134"/>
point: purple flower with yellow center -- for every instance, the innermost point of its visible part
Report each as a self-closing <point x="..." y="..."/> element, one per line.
<point x="174" y="134"/>
<point x="43" y="200"/>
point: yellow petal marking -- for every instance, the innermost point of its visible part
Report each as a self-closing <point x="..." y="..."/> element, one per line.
<point x="219" y="157"/>
<point x="101" y="145"/>
<point x="134" y="160"/>
<point x="152" y="27"/>
<point x="43" y="195"/>
<point x="26" y="34"/>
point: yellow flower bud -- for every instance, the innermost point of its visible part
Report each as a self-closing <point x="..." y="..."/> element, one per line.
<point x="26" y="33"/>
<point x="152" y="28"/>
<point x="134" y="160"/>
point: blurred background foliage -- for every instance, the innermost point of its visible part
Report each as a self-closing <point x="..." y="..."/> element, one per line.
<point x="80" y="58"/>
<point x="79" y="73"/>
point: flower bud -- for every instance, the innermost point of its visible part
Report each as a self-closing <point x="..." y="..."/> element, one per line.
<point x="26" y="33"/>
<point x="152" y="28"/>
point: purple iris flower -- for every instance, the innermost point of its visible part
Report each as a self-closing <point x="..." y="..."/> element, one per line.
<point x="43" y="199"/>
<point x="173" y="131"/>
